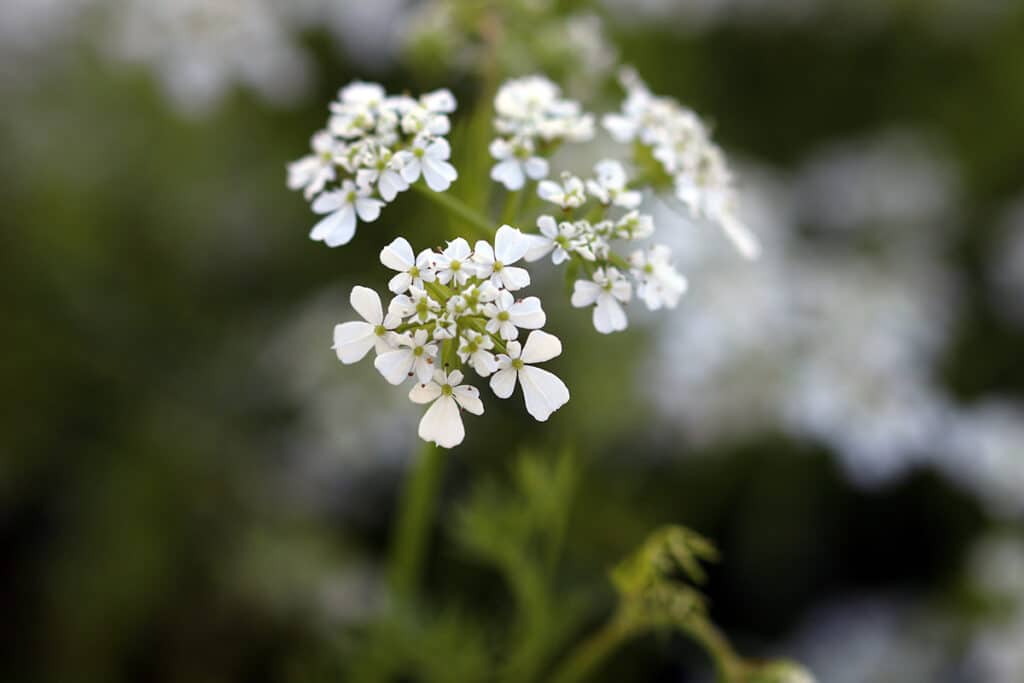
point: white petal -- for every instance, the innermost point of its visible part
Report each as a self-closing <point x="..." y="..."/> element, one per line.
<point x="510" y="245"/>
<point x="544" y="392"/>
<point x="328" y="202"/>
<point x="537" y="247"/>
<point x="367" y="304"/>
<point x="469" y="398"/>
<point x="609" y="316"/>
<point x="336" y="229"/>
<point x="503" y="382"/>
<point x="425" y="392"/>
<point x="438" y="174"/>
<point x="442" y="423"/>
<point x="395" y="365"/>
<point x="514" y="278"/>
<point x="620" y="127"/>
<point x="439" y="149"/>
<point x="411" y="170"/>
<point x="550" y="191"/>
<point x="391" y="183"/>
<point x="400" y="283"/>
<point x="398" y="255"/>
<point x="424" y="369"/>
<point x="536" y="167"/>
<point x="509" y="173"/>
<point x="352" y="341"/>
<point x="368" y="209"/>
<point x="585" y="293"/>
<point x="527" y="313"/>
<point x="541" y="346"/>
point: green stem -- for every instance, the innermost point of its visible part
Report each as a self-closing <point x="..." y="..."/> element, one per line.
<point x="513" y="200"/>
<point x="412" y="529"/>
<point x="729" y="666"/>
<point x="484" y="227"/>
<point x="591" y="652"/>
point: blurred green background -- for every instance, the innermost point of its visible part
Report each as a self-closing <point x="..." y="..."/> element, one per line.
<point x="193" y="489"/>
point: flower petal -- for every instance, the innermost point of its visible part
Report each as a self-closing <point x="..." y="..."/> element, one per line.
<point x="510" y="245"/>
<point x="541" y="346"/>
<point x="398" y="255"/>
<point x="395" y="365"/>
<point x="469" y="398"/>
<point x="366" y="302"/>
<point x="352" y="341"/>
<point x="527" y="313"/>
<point x="544" y="392"/>
<point x="608" y="315"/>
<point x="442" y="423"/>
<point x="503" y="382"/>
<point x="509" y="173"/>
<point x="585" y="293"/>
<point x="425" y="392"/>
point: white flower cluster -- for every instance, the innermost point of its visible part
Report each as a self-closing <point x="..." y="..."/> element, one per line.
<point x="680" y="142"/>
<point x="586" y="243"/>
<point x="375" y="146"/>
<point x="532" y="120"/>
<point x="452" y="310"/>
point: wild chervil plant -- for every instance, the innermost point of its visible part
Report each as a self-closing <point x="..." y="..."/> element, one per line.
<point x="459" y="318"/>
<point x="460" y="309"/>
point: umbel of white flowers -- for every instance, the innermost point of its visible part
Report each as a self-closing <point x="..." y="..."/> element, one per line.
<point x="455" y="310"/>
<point x="374" y="147"/>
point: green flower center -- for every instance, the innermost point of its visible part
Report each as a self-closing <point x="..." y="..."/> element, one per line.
<point x="414" y="271"/>
<point x="456" y="266"/>
<point x="446" y="389"/>
<point x="418" y="351"/>
<point x="517" y="363"/>
<point x="498" y="265"/>
<point x="380" y="330"/>
<point x="503" y="316"/>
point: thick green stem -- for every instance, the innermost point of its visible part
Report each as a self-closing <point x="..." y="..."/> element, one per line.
<point x="591" y="652"/>
<point x="484" y="227"/>
<point x="415" y="517"/>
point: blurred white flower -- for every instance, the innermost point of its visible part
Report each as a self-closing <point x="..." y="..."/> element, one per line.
<point x="658" y="282"/>
<point x="606" y="292"/>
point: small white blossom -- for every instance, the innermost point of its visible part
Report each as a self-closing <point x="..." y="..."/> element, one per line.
<point x="607" y="291"/>
<point x="412" y="272"/>
<point x="455" y="263"/>
<point x="516" y="162"/>
<point x="353" y="340"/>
<point x="417" y="304"/>
<point x="560" y="238"/>
<point x="569" y="194"/>
<point x="544" y="392"/>
<point x="415" y="355"/>
<point x="634" y="226"/>
<point x="343" y="206"/>
<point x="659" y="283"/>
<point x="610" y="186"/>
<point x="311" y="173"/>
<point x="442" y="423"/>
<point x="429" y="157"/>
<point x="476" y="350"/>
<point x="386" y="173"/>
<point x="506" y="314"/>
<point x="495" y="263"/>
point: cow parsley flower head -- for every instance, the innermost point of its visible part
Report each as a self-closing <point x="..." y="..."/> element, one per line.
<point x="680" y="142"/>
<point x="375" y="146"/>
<point x="532" y="118"/>
<point x="454" y="311"/>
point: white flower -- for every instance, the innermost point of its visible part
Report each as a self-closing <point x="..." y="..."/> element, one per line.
<point x="386" y="173"/>
<point x="606" y="290"/>
<point x="361" y="93"/>
<point x="412" y="272"/>
<point x="634" y="226"/>
<point x="557" y="237"/>
<point x="516" y="162"/>
<point x="439" y="101"/>
<point x="659" y="282"/>
<point x="353" y="340"/>
<point x="312" y="172"/>
<point x="455" y="263"/>
<point x="415" y="356"/>
<point x="446" y="327"/>
<point x="416" y="304"/>
<point x="544" y="392"/>
<point x="510" y="246"/>
<point x="505" y="314"/>
<point x="343" y="206"/>
<point x="442" y="423"/>
<point x="429" y="157"/>
<point x="569" y="194"/>
<point x="610" y="185"/>
<point x="476" y="350"/>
